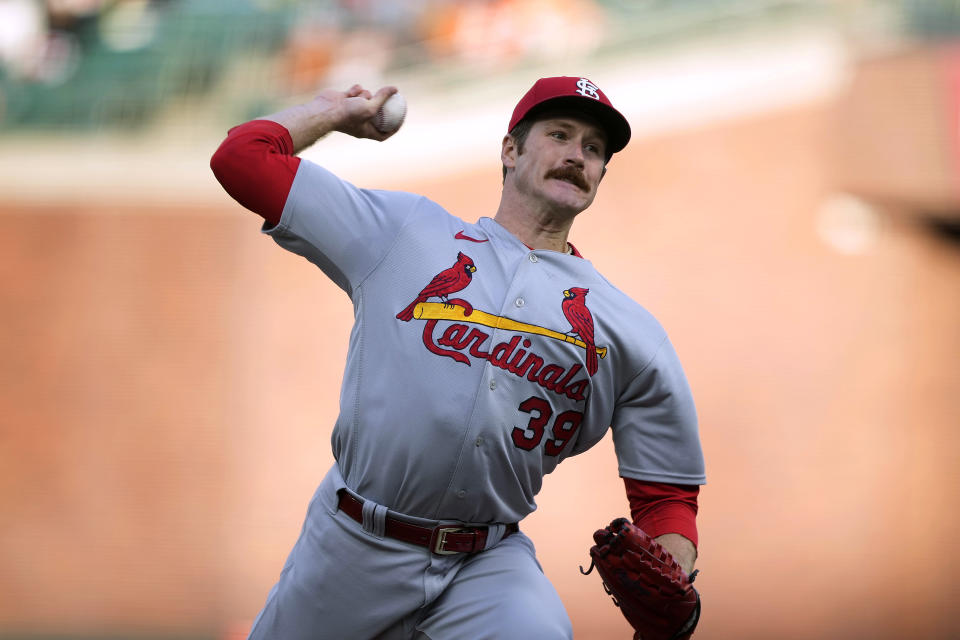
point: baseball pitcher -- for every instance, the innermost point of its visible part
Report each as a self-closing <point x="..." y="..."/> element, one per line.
<point x="482" y="355"/>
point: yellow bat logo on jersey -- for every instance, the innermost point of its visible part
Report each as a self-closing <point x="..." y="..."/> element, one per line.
<point x="439" y="311"/>
<point x="511" y="356"/>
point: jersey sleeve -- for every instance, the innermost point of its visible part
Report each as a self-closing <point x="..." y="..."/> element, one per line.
<point x="344" y="230"/>
<point x="659" y="507"/>
<point x="256" y="166"/>
<point x="655" y="431"/>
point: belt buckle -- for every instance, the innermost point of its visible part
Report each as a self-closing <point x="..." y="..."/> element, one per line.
<point x="440" y="538"/>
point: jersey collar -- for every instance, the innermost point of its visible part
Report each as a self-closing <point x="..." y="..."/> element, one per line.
<point x="571" y="250"/>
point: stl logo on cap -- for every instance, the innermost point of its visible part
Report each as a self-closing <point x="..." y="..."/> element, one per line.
<point x="587" y="89"/>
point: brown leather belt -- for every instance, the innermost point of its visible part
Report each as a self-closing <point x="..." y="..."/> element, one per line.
<point x="440" y="540"/>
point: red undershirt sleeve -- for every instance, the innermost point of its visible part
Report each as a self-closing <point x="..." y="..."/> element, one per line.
<point x="660" y="508"/>
<point x="256" y="166"/>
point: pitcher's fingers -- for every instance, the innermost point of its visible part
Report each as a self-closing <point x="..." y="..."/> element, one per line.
<point x="382" y="95"/>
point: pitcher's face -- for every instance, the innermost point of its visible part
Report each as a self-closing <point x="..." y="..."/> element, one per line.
<point x="562" y="162"/>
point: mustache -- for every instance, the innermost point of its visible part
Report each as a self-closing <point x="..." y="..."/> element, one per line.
<point x="571" y="174"/>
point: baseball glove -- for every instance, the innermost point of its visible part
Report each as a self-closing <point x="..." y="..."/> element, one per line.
<point x="654" y="594"/>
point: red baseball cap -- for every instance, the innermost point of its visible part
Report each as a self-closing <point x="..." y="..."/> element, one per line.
<point x="575" y="94"/>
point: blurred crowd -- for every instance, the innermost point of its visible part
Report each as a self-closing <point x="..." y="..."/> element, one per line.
<point x="70" y="62"/>
<point x="43" y="40"/>
<point x="365" y="38"/>
<point x="94" y="63"/>
<point x="36" y="39"/>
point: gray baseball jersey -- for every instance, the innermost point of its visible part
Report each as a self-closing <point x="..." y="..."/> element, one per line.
<point x="476" y="364"/>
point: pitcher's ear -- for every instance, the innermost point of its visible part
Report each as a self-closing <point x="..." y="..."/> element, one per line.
<point x="508" y="151"/>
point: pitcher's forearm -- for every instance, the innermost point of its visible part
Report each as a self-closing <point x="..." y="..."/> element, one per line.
<point x="681" y="549"/>
<point x="306" y="123"/>
<point x="351" y="112"/>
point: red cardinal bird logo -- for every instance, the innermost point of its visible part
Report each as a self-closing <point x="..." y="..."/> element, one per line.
<point x="581" y="321"/>
<point x="443" y="284"/>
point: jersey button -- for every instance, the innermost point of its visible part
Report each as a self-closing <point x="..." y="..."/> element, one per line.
<point x="461" y="493"/>
<point x="479" y="441"/>
<point x="493" y="385"/>
<point x="519" y="302"/>
<point x="534" y="258"/>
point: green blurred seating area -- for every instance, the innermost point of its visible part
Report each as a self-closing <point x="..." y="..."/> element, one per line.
<point x="102" y="70"/>
<point x="117" y="64"/>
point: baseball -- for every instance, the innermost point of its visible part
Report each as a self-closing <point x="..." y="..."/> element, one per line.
<point x="390" y="116"/>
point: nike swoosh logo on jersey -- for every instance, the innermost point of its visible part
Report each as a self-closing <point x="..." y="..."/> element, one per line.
<point x="460" y="236"/>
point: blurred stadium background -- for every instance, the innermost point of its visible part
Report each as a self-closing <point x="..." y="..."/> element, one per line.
<point x="789" y="208"/>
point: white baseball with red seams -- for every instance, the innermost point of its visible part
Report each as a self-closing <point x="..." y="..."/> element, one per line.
<point x="391" y="115"/>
